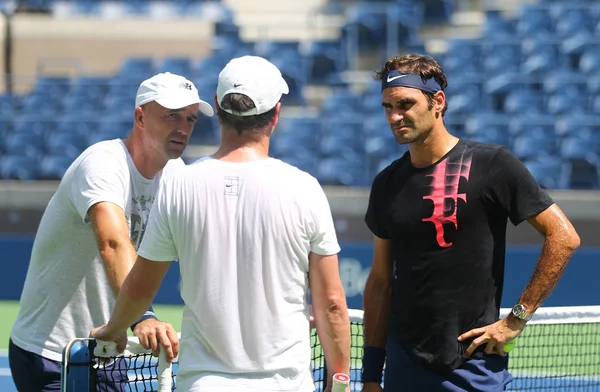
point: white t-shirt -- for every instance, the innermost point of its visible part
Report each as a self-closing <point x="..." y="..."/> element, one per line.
<point x="242" y="233"/>
<point x="66" y="290"/>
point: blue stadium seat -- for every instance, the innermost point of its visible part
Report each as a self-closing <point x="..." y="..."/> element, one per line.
<point x="366" y="24"/>
<point x="493" y="134"/>
<point x="578" y="148"/>
<point x="41" y="103"/>
<point x="534" y="124"/>
<point x="342" y="136"/>
<point x="341" y="103"/>
<point x="589" y="62"/>
<point x="550" y="173"/>
<point x="481" y="122"/>
<point x="56" y="87"/>
<point x="566" y="103"/>
<point x="342" y="171"/>
<point x="92" y="88"/>
<point x="177" y="65"/>
<point x="293" y="71"/>
<point x="324" y="58"/>
<point x="571" y="21"/>
<point x="7" y="106"/>
<point x="528" y="147"/>
<point x="297" y="138"/>
<point x="18" y="167"/>
<point x="29" y="144"/>
<point x="206" y="131"/>
<point x="307" y="164"/>
<point x="501" y="56"/>
<point x="533" y="19"/>
<point x="464" y="95"/>
<point x="53" y="167"/>
<point x="497" y="28"/>
<point x="577" y="125"/>
<point x="67" y="144"/>
<point x="540" y="55"/>
<point x="136" y="68"/>
<point x="523" y="100"/>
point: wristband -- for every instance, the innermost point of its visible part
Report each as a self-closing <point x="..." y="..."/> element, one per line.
<point x="148" y="315"/>
<point x="373" y="361"/>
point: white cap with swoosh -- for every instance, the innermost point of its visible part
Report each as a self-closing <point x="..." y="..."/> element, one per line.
<point x="254" y="77"/>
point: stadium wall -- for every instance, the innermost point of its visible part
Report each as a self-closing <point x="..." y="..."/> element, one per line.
<point x="577" y="287"/>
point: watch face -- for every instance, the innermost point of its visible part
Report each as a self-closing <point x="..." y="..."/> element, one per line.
<point x="519" y="311"/>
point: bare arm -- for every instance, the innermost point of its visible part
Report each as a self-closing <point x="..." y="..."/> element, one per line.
<point x="119" y="255"/>
<point x="377" y="300"/>
<point x="377" y="297"/>
<point x="137" y="293"/>
<point x="114" y="245"/>
<point x="561" y="240"/>
<point x="331" y="312"/>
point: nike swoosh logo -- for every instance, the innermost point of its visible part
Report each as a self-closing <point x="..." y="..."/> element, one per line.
<point x="395" y="77"/>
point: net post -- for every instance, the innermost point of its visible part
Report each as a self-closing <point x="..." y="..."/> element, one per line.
<point x="75" y="367"/>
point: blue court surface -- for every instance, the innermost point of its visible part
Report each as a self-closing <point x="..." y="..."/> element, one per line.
<point x="6" y="382"/>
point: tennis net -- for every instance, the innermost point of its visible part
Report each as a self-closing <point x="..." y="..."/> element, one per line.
<point x="559" y="350"/>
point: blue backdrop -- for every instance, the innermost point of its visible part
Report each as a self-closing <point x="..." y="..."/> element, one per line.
<point x="578" y="285"/>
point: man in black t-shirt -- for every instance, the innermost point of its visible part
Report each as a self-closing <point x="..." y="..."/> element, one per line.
<point x="439" y="215"/>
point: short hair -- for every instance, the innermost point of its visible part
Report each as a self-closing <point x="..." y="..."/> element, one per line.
<point x="240" y="103"/>
<point x="417" y="64"/>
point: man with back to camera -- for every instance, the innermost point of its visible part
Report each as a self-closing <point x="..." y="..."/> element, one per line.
<point x="252" y="234"/>
<point x="439" y="217"/>
<point x="87" y="239"/>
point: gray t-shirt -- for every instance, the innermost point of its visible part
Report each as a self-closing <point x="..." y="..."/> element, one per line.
<point x="66" y="290"/>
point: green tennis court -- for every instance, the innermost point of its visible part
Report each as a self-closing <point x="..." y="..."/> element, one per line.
<point x="9" y="310"/>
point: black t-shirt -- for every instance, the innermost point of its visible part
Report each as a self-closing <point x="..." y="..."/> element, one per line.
<point x="447" y="225"/>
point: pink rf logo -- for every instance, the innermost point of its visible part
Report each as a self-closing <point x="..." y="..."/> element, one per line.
<point x="446" y="178"/>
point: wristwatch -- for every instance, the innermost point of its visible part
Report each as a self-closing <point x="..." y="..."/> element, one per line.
<point x="520" y="312"/>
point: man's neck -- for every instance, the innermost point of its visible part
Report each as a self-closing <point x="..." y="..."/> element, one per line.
<point x="236" y="148"/>
<point x="145" y="161"/>
<point x="430" y="150"/>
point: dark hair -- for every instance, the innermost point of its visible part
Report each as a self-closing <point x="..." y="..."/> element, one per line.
<point x="239" y="103"/>
<point x="417" y="64"/>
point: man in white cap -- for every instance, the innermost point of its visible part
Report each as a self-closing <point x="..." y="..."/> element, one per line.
<point x="252" y="235"/>
<point x="88" y="237"/>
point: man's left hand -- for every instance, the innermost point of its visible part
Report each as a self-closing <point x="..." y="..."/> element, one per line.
<point x="153" y="333"/>
<point x="494" y="335"/>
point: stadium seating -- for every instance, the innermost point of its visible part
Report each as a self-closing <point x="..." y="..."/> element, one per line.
<point x="529" y="83"/>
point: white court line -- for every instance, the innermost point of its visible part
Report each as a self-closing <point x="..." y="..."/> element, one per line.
<point x="5" y="372"/>
<point x="3" y="353"/>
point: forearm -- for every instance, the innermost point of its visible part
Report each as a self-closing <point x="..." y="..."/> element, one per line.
<point x="333" y="328"/>
<point x="377" y="304"/>
<point x="118" y="258"/>
<point x="555" y="255"/>
<point x="132" y="302"/>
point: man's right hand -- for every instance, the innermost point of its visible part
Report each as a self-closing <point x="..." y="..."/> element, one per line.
<point x="372" y="387"/>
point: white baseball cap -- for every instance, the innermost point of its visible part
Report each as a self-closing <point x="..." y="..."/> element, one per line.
<point x="172" y="92"/>
<point x="254" y="77"/>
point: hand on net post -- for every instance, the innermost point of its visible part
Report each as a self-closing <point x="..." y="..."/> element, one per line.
<point x="153" y="333"/>
<point x="101" y="333"/>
